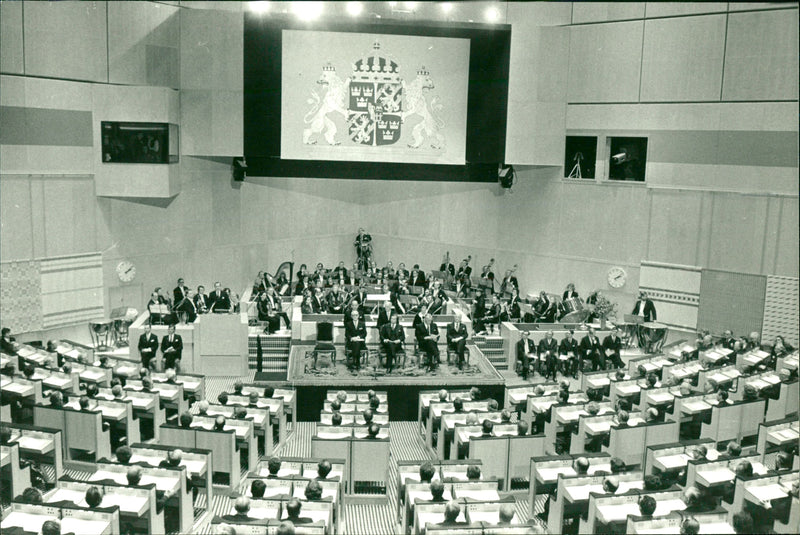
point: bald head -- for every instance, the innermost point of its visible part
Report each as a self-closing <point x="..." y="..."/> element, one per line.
<point x="506" y="513"/>
<point x="134" y="475"/>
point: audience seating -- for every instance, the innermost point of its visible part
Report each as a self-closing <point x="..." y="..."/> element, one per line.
<point x="73" y="519"/>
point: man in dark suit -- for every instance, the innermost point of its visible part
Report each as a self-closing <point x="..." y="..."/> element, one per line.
<point x="457" y="340"/>
<point x="446" y="266"/>
<point x="612" y="344"/>
<point x="172" y="347"/>
<point x="728" y="341"/>
<point x="569" y="348"/>
<point x="355" y="335"/>
<point x="384" y="314"/>
<point x="360" y="297"/>
<point x="417" y="277"/>
<point x="179" y="292"/>
<point x="187" y="306"/>
<point x="401" y="288"/>
<point x="148" y="345"/>
<point x="219" y="301"/>
<point x="525" y="348"/>
<point x="548" y="349"/>
<point x="201" y="300"/>
<point x="293" y="508"/>
<point x="569" y="293"/>
<point x="402" y="273"/>
<point x="318" y="302"/>
<point x="392" y="339"/>
<point x="335" y="300"/>
<point x="590" y="348"/>
<point x="242" y="508"/>
<point x="427" y="334"/>
<point x="644" y="307"/>
<point x="340" y="273"/>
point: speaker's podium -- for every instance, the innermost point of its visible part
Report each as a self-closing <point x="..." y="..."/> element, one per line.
<point x="222" y="340"/>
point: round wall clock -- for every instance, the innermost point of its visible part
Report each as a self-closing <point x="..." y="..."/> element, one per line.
<point x="126" y="271"/>
<point x="617" y="277"/>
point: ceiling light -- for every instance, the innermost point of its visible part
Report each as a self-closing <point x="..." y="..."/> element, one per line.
<point x="354" y="8"/>
<point x="410" y="5"/>
<point x="447" y="7"/>
<point x="307" y="10"/>
<point x="492" y="14"/>
<point x="259" y="7"/>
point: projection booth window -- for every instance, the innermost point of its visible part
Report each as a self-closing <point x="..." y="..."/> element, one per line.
<point x="627" y="158"/>
<point x="580" y="157"/>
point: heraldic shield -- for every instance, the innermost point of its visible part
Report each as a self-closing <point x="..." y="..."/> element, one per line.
<point x="376" y="101"/>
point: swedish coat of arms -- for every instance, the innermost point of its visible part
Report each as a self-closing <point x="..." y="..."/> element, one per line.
<point x="375" y="102"/>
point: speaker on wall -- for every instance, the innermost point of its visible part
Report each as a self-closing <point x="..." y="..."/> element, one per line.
<point x="239" y="169"/>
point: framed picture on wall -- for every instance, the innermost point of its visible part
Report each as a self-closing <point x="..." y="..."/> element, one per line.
<point x="627" y="158"/>
<point x="580" y="157"/>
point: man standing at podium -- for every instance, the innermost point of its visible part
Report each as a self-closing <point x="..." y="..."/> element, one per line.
<point x="148" y="345"/>
<point x="219" y="301"/>
<point x="645" y="307"/>
<point x="172" y="347"/>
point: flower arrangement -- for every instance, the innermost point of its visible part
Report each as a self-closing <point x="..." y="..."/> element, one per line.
<point x="603" y="308"/>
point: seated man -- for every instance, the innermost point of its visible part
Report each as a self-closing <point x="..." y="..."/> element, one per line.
<point x="569" y="348"/>
<point x="457" y="340"/>
<point x="437" y="491"/>
<point x="273" y="466"/>
<point x="525" y="349"/>
<point x="590" y="349"/>
<point x="242" y="508"/>
<point x="293" y="508"/>
<point x="548" y="356"/>
<point x="506" y="514"/>
<point x="392" y="340"/>
<point x="355" y="333"/>
<point x="427" y="334"/>
<point x="324" y="467"/>
<point x="612" y="345"/>
<point x="451" y="512"/>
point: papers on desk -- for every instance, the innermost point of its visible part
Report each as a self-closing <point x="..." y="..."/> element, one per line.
<point x="27" y="521"/>
<point x="783" y="436"/>
<point x="764" y="493"/>
<point x="483" y="495"/>
<point x="20" y="389"/>
<point x="37" y="444"/>
<point x="551" y="474"/>
<point x="715" y="476"/>
<point x="598" y="428"/>
<point x="598" y="382"/>
<point x="671" y="462"/>
<point x="693" y="407"/>
<point x="629" y="389"/>
<point x="661" y="397"/>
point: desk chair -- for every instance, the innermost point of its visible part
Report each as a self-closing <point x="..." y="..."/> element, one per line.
<point x="325" y="341"/>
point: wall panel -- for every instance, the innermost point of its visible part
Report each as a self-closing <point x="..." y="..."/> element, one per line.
<point x="11" y="42"/>
<point x="15" y="219"/>
<point x="144" y="49"/>
<point x="682" y="58"/>
<point x="605" y="62"/>
<point x="730" y="300"/>
<point x="585" y="12"/>
<point x="671" y="9"/>
<point x="737" y="233"/>
<point x="66" y="40"/>
<point x="788" y="236"/>
<point x="761" y="56"/>
<point x="674" y="222"/>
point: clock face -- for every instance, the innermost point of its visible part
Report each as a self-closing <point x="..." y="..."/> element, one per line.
<point x="617" y="277"/>
<point x="126" y="271"/>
